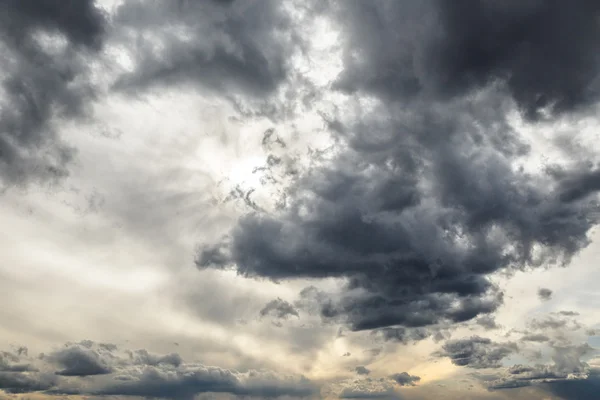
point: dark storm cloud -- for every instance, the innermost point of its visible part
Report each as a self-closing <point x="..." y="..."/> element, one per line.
<point x="189" y="380"/>
<point x="45" y="49"/>
<point x="79" y="360"/>
<point x="405" y="379"/>
<point x="477" y="352"/>
<point x="279" y="308"/>
<point x="544" y="52"/>
<point x="415" y="214"/>
<point x="425" y="197"/>
<point x="413" y="335"/>
<point x="19" y="375"/>
<point x="231" y="47"/>
<point x="581" y="185"/>
<point x="544" y="294"/>
<point x="576" y="389"/>
<point x="25" y="383"/>
<point x="97" y="369"/>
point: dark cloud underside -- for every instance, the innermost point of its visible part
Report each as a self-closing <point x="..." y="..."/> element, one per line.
<point x="425" y="198"/>
<point x="544" y="52"/>
<point x="96" y="369"/>
<point x="45" y="49"/>
<point x="477" y="352"/>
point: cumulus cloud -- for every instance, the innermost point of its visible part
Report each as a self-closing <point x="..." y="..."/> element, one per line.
<point x="19" y="375"/>
<point x="477" y="352"/>
<point x="189" y="380"/>
<point x="567" y="365"/>
<point x="10" y="362"/>
<point x="361" y="370"/>
<point x="369" y="390"/>
<point x="107" y="371"/>
<point x="405" y="379"/>
<point x="79" y="360"/>
<point x="26" y="383"/>
<point x="424" y="197"/>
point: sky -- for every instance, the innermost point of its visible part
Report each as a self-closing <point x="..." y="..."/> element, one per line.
<point x="299" y="199"/>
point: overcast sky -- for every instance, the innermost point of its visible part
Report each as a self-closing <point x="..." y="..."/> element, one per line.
<point x="260" y="199"/>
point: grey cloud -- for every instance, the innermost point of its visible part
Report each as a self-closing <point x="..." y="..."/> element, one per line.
<point x="568" y="313"/>
<point x="186" y="381"/>
<point x="311" y="299"/>
<point x="405" y="379"/>
<point x="477" y="352"/>
<point x="143" y="357"/>
<point x="101" y="370"/>
<point x="567" y="365"/>
<point x="543" y="52"/>
<point x="79" y="360"/>
<point x="361" y="370"/>
<point x="424" y="199"/>
<point x="11" y="362"/>
<point x="487" y="322"/>
<point x="548" y="323"/>
<point x="18" y="382"/>
<point x="45" y="50"/>
<point x="279" y="308"/>
<point x="366" y="391"/>
<point x="238" y="47"/>
<point x="407" y="335"/>
<point x="575" y="389"/>
<point x="411" y="226"/>
<point x="581" y="185"/>
<point x="535" y="338"/>
<point x="544" y="294"/>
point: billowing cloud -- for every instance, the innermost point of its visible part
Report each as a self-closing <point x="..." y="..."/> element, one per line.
<point x="405" y="379"/>
<point x="405" y="185"/>
<point x="403" y="48"/>
<point x="79" y="360"/>
<point x="567" y="365"/>
<point x="369" y="390"/>
<point x="45" y="51"/>
<point x="425" y="196"/>
<point x="231" y="48"/>
<point x="477" y="352"/>
<point x="107" y="371"/>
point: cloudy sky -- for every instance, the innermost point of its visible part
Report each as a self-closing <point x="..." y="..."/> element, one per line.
<point x="259" y="199"/>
